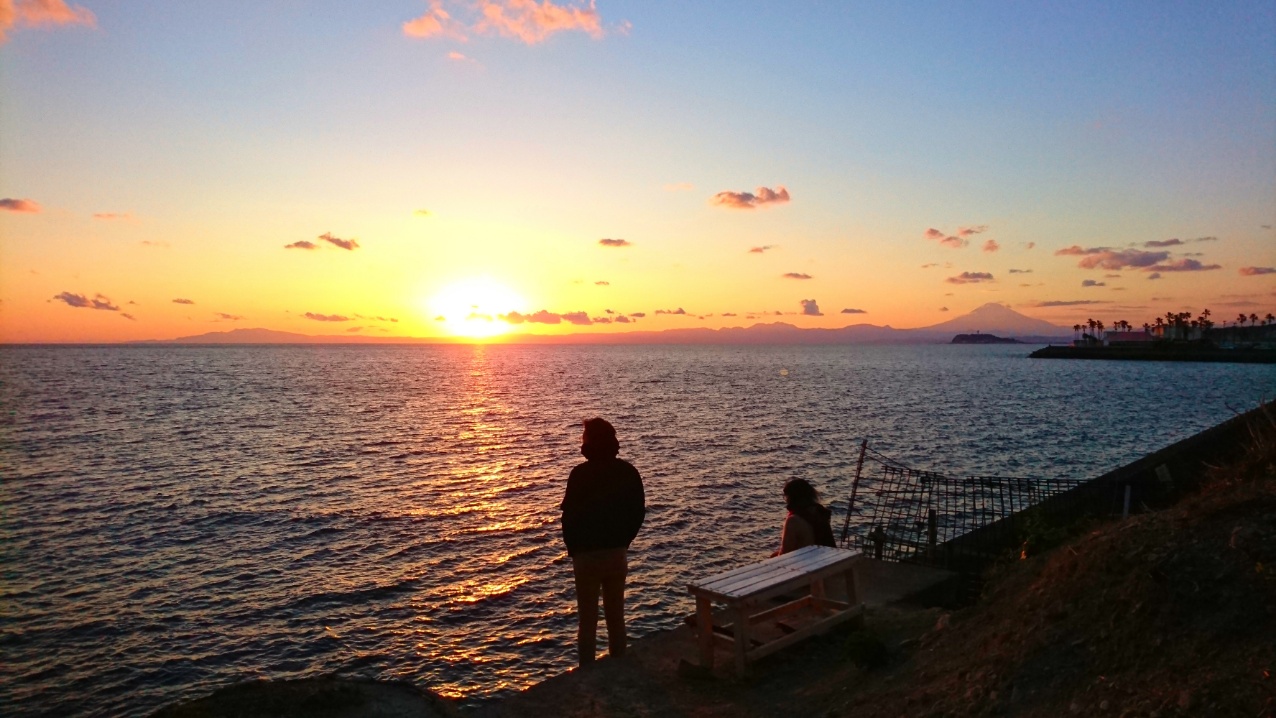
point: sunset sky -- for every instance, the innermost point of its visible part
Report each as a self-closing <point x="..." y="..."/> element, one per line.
<point x="439" y="168"/>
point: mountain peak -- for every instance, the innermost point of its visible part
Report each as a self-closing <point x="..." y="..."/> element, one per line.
<point x="997" y="318"/>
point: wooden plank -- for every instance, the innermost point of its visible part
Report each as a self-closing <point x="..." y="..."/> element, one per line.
<point x="741" y="627"/>
<point x="791" y="606"/>
<point x="704" y="622"/>
<point x="748" y="585"/>
<point x="815" y="628"/>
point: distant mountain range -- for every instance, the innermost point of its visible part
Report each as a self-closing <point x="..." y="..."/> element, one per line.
<point x="990" y="318"/>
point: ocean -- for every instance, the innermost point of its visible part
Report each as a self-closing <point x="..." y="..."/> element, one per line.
<point x="176" y="518"/>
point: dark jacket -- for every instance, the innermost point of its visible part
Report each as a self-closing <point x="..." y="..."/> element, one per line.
<point x="604" y="506"/>
<point x="818" y="517"/>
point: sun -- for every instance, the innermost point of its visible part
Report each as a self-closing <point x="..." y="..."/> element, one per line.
<point x="472" y="307"/>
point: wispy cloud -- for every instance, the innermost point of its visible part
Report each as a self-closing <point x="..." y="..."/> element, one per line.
<point x="422" y="213"/>
<point x="639" y="315"/>
<point x="113" y="215"/>
<point x="622" y="319"/>
<point x="339" y="242"/>
<point x="810" y="308"/>
<point x="1029" y="245"/>
<point x="602" y="283"/>
<point x="991" y="246"/>
<point x="529" y="21"/>
<point x="1021" y="271"/>
<point x="40" y="13"/>
<point x="183" y="301"/>
<point x="1154" y="275"/>
<point x="679" y="310"/>
<point x="968" y="231"/>
<point x="759" y="197"/>
<point x="796" y="275"/>
<point x="928" y="265"/>
<point x="541" y="317"/>
<point x="615" y="243"/>
<point x="1069" y="302"/>
<point x="10" y="204"/>
<point x="854" y="311"/>
<point x="1163" y="242"/>
<point x="679" y="187"/>
<point x="760" y="250"/>
<point x="80" y="301"/>
<point x="1092" y="283"/>
<point x="1184" y="265"/>
<point x="943" y="309"/>
<point x="955" y="241"/>
<point x="580" y="318"/>
<point x="1113" y="259"/>
<point x="970" y="278"/>
<point x="326" y="317"/>
<point x="155" y="243"/>
<point x="228" y="317"/>
<point x="302" y="244"/>
<point x="1255" y="271"/>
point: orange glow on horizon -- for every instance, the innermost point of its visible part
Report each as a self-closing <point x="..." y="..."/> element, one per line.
<point x="472" y="308"/>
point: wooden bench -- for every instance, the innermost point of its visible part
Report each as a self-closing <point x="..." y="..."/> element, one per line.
<point x="744" y="591"/>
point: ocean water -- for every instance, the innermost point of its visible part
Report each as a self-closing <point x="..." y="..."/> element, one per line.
<point x="178" y="518"/>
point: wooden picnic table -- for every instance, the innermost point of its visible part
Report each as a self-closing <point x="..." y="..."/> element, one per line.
<point x="744" y="591"/>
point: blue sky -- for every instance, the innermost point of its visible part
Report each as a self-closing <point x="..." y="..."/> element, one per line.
<point x="221" y="132"/>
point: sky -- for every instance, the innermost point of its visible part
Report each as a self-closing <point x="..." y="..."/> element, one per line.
<point x="472" y="168"/>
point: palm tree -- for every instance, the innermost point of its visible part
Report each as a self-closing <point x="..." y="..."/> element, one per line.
<point x="1076" y="329"/>
<point x="1268" y="319"/>
<point x="1253" y="319"/>
<point x="1240" y="319"/>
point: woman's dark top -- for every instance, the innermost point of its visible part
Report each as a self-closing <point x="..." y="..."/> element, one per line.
<point x="604" y="506"/>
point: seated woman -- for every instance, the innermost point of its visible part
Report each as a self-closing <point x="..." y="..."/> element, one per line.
<point x="808" y="522"/>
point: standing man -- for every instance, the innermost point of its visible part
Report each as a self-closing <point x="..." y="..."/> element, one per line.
<point x="602" y="512"/>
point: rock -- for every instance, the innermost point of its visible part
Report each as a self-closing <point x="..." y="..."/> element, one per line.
<point x="329" y="696"/>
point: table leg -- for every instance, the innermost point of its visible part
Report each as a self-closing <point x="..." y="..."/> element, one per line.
<point x="704" y="626"/>
<point x="817" y="594"/>
<point x="852" y="590"/>
<point x="741" y="639"/>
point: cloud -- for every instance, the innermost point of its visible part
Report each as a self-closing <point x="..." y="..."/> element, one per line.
<point x="1029" y="245"/>
<point x="748" y="200"/>
<point x="577" y="318"/>
<point x="967" y="231"/>
<point x="1111" y="276"/>
<point x="529" y="21"/>
<point x="639" y="315"/>
<point x="541" y="317"/>
<point x="991" y="246"/>
<point x="149" y="243"/>
<point x="1154" y="275"/>
<point x="933" y="233"/>
<point x="933" y="264"/>
<point x="796" y="275"/>
<point x="457" y="57"/>
<point x="622" y="319"/>
<point x="970" y="278"/>
<point x="350" y="244"/>
<point x="113" y="215"/>
<point x="615" y="243"/>
<point x="602" y="283"/>
<point x="80" y="301"/>
<point x="38" y="13"/>
<point x="1255" y="271"/>
<point x="1163" y="243"/>
<point x="760" y="250"/>
<point x="1113" y="259"/>
<point x="1021" y="271"/>
<point x="1184" y="265"/>
<point x="422" y="213"/>
<point x="679" y="310"/>
<point x="679" y="187"/>
<point x="302" y="244"/>
<point x="943" y="309"/>
<point x="326" y="317"/>
<point x="436" y="22"/>
<point x="728" y="314"/>
<point x="853" y="311"/>
<point x="957" y="241"/>
<point x="183" y="301"/>
<point x="1092" y="283"/>
<point x="810" y="308"/>
<point x="1069" y="303"/>
<point x="229" y="317"/>
<point x="10" y="204"/>
<point x="352" y="330"/>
